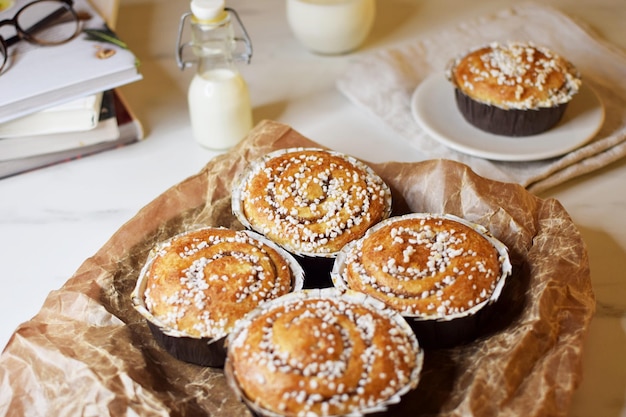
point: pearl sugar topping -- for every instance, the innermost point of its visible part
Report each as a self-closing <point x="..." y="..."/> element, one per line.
<point x="312" y="201"/>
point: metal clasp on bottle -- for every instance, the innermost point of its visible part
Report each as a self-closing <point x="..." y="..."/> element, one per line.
<point x="245" y="55"/>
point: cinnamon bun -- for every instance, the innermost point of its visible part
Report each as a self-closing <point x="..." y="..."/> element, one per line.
<point x="311" y="201"/>
<point x="319" y="352"/>
<point x="198" y="284"/>
<point x="426" y="266"/>
<point x="513" y="88"/>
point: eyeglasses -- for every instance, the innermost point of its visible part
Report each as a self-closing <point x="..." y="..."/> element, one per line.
<point x="42" y="22"/>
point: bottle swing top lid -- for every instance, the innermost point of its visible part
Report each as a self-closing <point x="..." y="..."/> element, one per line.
<point x="208" y="10"/>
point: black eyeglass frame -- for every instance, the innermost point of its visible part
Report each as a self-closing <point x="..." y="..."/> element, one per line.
<point x="65" y="6"/>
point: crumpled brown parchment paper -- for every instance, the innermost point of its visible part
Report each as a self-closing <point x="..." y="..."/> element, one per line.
<point x="87" y="352"/>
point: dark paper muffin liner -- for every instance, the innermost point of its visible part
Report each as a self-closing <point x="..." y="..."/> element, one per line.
<point x="449" y="333"/>
<point x="204" y="351"/>
<point x="316" y="270"/>
<point x="508" y="122"/>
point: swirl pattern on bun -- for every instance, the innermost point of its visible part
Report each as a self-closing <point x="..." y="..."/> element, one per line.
<point x="426" y="265"/>
<point x="323" y="353"/>
<point x="199" y="283"/>
<point x="311" y="201"/>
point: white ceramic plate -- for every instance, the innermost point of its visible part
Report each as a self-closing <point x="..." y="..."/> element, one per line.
<point x="434" y="108"/>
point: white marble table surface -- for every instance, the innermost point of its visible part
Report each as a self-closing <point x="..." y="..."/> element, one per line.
<point x="52" y="219"/>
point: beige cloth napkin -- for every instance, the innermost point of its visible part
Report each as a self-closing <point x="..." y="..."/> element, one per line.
<point x="382" y="83"/>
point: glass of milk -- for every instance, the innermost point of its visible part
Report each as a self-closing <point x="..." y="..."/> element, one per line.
<point x="331" y="26"/>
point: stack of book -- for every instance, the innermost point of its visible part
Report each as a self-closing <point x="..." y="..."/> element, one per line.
<point x="61" y="102"/>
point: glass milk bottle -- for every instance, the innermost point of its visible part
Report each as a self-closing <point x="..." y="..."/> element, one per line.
<point x="219" y="101"/>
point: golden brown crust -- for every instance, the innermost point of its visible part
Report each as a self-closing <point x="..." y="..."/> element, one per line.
<point x="313" y="201"/>
<point x="328" y="356"/>
<point x="202" y="282"/>
<point x="515" y="75"/>
<point x="425" y="266"/>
